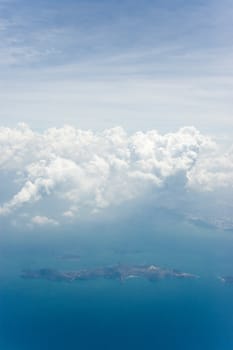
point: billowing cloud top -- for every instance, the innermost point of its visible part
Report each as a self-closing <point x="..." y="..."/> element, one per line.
<point x="83" y="171"/>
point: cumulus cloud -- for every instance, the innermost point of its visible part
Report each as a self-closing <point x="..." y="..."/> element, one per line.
<point x="43" y="220"/>
<point x="90" y="171"/>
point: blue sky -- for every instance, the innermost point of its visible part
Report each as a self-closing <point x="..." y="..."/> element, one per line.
<point x="98" y="64"/>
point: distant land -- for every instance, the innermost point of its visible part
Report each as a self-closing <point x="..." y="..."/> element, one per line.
<point x="224" y="223"/>
<point x="70" y="256"/>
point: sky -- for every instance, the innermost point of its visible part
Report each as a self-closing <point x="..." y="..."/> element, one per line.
<point x="105" y="103"/>
<point x="99" y="64"/>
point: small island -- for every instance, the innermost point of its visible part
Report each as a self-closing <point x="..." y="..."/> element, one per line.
<point x="70" y="257"/>
<point x="226" y="279"/>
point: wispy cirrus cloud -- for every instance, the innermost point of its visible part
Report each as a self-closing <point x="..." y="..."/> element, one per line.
<point x="104" y="64"/>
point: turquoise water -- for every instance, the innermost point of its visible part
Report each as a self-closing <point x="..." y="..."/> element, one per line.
<point x="104" y="314"/>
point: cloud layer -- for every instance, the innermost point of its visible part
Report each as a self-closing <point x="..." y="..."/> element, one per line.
<point x="83" y="171"/>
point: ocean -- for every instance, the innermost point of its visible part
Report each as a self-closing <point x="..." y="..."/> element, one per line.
<point x="105" y="314"/>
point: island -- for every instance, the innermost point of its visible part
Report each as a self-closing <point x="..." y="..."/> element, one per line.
<point x="116" y="272"/>
<point x="226" y="279"/>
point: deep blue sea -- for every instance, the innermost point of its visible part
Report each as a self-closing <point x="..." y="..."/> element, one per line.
<point x="104" y="314"/>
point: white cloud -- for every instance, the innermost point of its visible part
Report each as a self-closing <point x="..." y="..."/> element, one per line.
<point x="88" y="171"/>
<point x="68" y="214"/>
<point x="43" y="220"/>
<point x="212" y="172"/>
